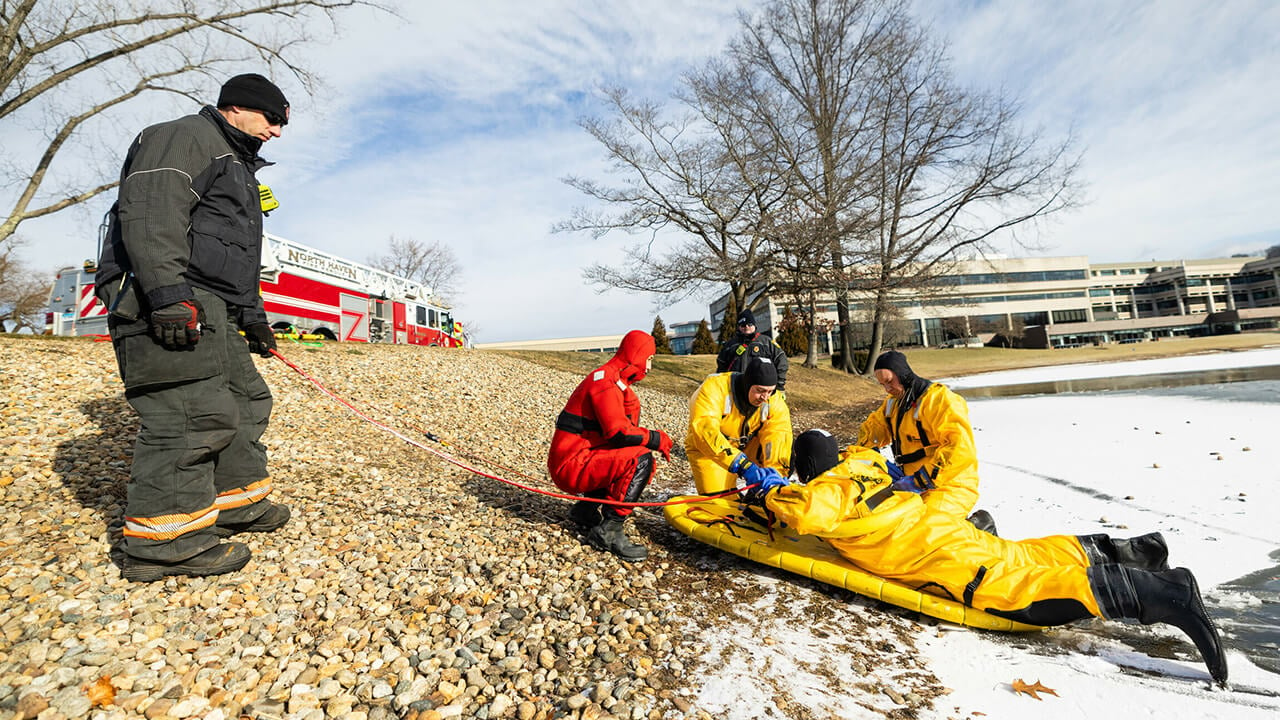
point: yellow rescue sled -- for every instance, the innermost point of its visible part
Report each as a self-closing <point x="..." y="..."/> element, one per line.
<point x="721" y="523"/>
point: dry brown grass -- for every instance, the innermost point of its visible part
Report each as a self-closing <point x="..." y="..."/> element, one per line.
<point x="968" y="361"/>
<point x="820" y="388"/>
<point x="826" y="391"/>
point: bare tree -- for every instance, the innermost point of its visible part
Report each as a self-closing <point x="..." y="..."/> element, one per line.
<point x="806" y="87"/>
<point x="953" y="169"/>
<point x="68" y="64"/>
<point x="23" y="292"/>
<point x="433" y="265"/>
<point x="687" y="173"/>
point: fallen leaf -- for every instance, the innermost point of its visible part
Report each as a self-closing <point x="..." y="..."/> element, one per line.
<point x="102" y="693"/>
<point x="1021" y="687"/>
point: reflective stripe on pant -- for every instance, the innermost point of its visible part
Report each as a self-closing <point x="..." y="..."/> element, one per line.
<point x="197" y="459"/>
<point x="945" y="555"/>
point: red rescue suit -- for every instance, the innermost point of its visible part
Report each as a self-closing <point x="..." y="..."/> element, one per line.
<point x="598" y="436"/>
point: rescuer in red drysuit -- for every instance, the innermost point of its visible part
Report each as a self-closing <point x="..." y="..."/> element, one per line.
<point x="599" y="449"/>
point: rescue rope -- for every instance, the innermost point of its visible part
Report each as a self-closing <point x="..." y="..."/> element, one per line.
<point x="469" y="468"/>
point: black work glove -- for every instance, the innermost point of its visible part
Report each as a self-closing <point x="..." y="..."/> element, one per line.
<point x="178" y="325"/>
<point x="262" y="339"/>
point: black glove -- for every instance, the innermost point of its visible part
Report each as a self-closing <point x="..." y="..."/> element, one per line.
<point x="262" y="339"/>
<point x="179" y="324"/>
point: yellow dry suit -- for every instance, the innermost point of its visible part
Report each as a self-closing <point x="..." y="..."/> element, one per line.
<point x="719" y="429"/>
<point x="891" y="534"/>
<point x="934" y="434"/>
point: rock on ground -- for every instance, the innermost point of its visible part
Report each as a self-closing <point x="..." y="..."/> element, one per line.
<point x="404" y="586"/>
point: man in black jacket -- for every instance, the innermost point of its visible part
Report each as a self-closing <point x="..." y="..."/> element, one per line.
<point x="736" y="354"/>
<point x="179" y="273"/>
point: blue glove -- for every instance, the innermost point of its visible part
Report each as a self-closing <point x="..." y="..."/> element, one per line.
<point x="761" y="481"/>
<point x="739" y="464"/>
<point x="895" y="470"/>
<point x="764" y="477"/>
<point x="917" y="483"/>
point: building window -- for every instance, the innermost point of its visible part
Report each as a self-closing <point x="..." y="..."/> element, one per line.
<point x="1069" y="316"/>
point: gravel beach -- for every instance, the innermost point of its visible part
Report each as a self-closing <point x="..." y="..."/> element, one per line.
<point x="403" y="587"/>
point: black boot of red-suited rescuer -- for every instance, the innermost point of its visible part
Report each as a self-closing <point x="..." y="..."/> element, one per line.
<point x="1167" y="596"/>
<point x="609" y="535"/>
<point x="586" y="513"/>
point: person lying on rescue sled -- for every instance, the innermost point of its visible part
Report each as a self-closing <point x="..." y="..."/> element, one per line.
<point x="737" y="426"/>
<point x="927" y="425"/>
<point x="848" y="498"/>
<point x="599" y="449"/>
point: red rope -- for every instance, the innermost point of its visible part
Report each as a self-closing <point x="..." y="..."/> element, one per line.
<point x="452" y="460"/>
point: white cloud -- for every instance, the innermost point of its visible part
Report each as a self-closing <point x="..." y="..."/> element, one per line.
<point x="457" y="121"/>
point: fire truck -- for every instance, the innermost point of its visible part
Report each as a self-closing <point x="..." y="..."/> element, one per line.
<point x="73" y="308"/>
<point x="304" y="290"/>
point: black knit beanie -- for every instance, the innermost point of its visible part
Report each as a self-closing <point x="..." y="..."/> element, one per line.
<point x="256" y="93"/>
<point x="814" y="453"/>
<point x="746" y="317"/>
<point x="761" y="371"/>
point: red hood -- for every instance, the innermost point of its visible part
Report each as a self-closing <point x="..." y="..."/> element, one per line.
<point x="636" y="349"/>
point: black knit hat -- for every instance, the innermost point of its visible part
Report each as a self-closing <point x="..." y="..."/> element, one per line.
<point x="814" y="453"/>
<point x="761" y="371"/>
<point x="256" y="93"/>
<point x="746" y="318"/>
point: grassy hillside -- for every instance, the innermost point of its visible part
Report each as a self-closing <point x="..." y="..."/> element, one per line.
<point x="824" y="389"/>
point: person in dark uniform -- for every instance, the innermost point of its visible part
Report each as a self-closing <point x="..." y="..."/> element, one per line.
<point x="600" y="450"/>
<point x="179" y="273"/>
<point x="749" y="344"/>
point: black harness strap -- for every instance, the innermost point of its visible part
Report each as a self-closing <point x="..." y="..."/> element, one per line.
<point x="972" y="587"/>
<point x="576" y="424"/>
<point x="903" y="411"/>
<point x="874" y="501"/>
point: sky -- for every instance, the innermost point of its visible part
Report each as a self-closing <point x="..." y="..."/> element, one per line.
<point x="456" y="122"/>
<point x="1195" y="463"/>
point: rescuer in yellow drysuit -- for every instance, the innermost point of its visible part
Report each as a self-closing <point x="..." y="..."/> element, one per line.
<point x="927" y="425"/>
<point x="850" y="500"/>
<point x="737" y="426"/>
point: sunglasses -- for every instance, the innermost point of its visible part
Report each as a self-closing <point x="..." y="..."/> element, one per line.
<point x="274" y="119"/>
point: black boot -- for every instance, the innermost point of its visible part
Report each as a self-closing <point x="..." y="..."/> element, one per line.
<point x="1169" y="596"/>
<point x="221" y="558"/>
<point x="585" y="513"/>
<point x="608" y="536"/>
<point x="981" y="519"/>
<point x="1145" y="552"/>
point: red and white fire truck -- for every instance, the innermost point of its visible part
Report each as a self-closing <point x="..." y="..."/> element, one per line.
<point x="303" y="289"/>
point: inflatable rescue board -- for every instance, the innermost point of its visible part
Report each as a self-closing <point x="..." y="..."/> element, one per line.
<point x="722" y="523"/>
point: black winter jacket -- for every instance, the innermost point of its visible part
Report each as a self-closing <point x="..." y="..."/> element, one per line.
<point x="188" y="215"/>
<point x="736" y="353"/>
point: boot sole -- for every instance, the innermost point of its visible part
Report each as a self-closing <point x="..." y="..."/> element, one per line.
<point x="143" y="571"/>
